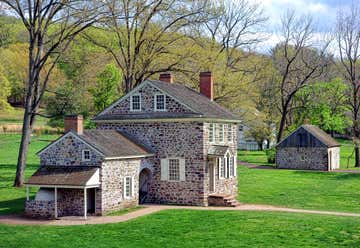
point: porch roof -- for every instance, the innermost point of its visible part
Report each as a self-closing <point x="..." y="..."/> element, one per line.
<point x="217" y="150"/>
<point x="65" y="176"/>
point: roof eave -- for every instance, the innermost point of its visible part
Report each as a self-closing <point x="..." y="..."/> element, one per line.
<point x="202" y="119"/>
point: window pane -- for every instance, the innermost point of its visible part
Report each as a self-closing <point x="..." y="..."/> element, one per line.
<point x="221" y="133"/>
<point x="211" y="132"/>
<point x="160" y="102"/>
<point x="230" y="133"/>
<point x="128" y="186"/>
<point x="136" y="102"/>
<point x="174" y="170"/>
<point x="221" y="168"/>
<point x="231" y="166"/>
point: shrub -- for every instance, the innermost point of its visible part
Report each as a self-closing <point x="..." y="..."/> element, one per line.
<point x="270" y="154"/>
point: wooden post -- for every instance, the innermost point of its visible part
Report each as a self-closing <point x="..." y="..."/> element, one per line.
<point x="56" y="206"/>
<point x="27" y="193"/>
<point x="85" y="203"/>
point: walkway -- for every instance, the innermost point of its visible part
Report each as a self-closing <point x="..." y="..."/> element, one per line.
<point x="149" y="209"/>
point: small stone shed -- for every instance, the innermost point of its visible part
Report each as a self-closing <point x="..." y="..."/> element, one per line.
<point x="308" y="148"/>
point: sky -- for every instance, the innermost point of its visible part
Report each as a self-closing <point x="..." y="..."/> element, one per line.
<point x="324" y="13"/>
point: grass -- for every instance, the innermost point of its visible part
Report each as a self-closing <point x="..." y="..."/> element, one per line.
<point x="254" y="157"/>
<point x="300" y="189"/>
<point x="16" y="117"/>
<point x="191" y="228"/>
<point x="12" y="199"/>
<point x="125" y="211"/>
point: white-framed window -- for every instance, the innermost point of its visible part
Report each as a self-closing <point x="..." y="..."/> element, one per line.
<point x="229" y="133"/>
<point x="160" y="102"/>
<point x="211" y="132"/>
<point x="232" y="166"/>
<point x="86" y="155"/>
<point x="173" y="169"/>
<point x="221" y="132"/>
<point x="221" y="168"/>
<point x="128" y="187"/>
<point x="135" y="102"/>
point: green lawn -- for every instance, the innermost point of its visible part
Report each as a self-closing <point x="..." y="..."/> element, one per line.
<point x="12" y="199"/>
<point x="300" y="189"/>
<point x="16" y="117"/>
<point x="254" y="157"/>
<point x="191" y="228"/>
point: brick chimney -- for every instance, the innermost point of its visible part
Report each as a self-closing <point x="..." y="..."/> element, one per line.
<point x="166" y="77"/>
<point x="73" y="122"/>
<point x="207" y="85"/>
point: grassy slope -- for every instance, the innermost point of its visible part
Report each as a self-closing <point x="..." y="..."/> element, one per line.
<point x="185" y="228"/>
<point x="16" y="117"/>
<point x="300" y="189"/>
<point x="12" y="199"/>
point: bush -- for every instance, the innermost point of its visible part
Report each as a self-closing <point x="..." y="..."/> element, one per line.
<point x="270" y="154"/>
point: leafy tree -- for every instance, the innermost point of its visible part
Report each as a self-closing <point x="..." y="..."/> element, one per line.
<point x="325" y="105"/>
<point x="105" y="90"/>
<point x="4" y="92"/>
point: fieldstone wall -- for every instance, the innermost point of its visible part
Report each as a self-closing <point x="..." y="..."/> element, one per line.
<point x="68" y="152"/>
<point x="303" y="158"/>
<point x="112" y="177"/>
<point x="70" y="202"/>
<point x="147" y="103"/>
<point x="172" y="139"/>
<point x="40" y="209"/>
<point x="228" y="186"/>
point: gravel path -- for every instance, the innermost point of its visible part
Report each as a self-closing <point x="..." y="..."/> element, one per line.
<point x="149" y="209"/>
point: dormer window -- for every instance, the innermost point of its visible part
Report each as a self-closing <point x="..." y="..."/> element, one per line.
<point x="135" y="102"/>
<point x="85" y="155"/>
<point x="160" y="102"/>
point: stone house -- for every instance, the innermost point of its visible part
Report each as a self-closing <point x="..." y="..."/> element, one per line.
<point x="308" y="148"/>
<point x="161" y="143"/>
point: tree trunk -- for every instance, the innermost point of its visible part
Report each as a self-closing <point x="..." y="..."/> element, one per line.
<point x="23" y="150"/>
<point x="357" y="156"/>
<point x="281" y="127"/>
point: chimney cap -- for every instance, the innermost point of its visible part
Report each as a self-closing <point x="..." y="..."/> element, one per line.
<point x="73" y="116"/>
<point x="205" y="73"/>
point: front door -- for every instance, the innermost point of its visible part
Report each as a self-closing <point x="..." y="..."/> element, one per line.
<point x="212" y="175"/>
<point x="90" y="200"/>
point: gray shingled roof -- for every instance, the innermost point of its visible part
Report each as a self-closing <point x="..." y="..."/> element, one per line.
<point x="62" y="175"/>
<point x="113" y="144"/>
<point x="321" y="135"/>
<point x="201" y="106"/>
<point x="216" y="150"/>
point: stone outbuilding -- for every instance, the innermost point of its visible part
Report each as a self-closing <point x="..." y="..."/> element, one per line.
<point x="308" y="148"/>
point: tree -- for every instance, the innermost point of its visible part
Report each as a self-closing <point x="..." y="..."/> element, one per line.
<point x="51" y="26"/>
<point x="105" y="90"/>
<point x="5" y="92"/>
<point x="324" y="104"/>
<point x="297" y="60"/>
<point x="141" y="35"/>
<point x="348" y="44"/>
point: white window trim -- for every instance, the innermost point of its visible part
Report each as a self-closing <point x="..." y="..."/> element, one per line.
<point x="221" y="127"/>
<point x="83" y="159"/>
<point x="213" y="131"/>
<point x="165" y="169"/>
<point x="131" y="102"/>
<point x="230" y="131"/>
<point x="132" y="188"/>
<point x="155" y="102"/>
<point x="221" y="160"/>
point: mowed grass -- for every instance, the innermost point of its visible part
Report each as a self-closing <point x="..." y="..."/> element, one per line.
<point x="16" y="116"/>
<point x="253" y="157"/>
<point x="300" y="189"/>
<point x="12" y="199"/>
<point x="195" y="228"/>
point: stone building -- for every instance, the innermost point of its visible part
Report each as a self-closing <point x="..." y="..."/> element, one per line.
<point x="308" y="148"/>
<point x="162" y="142"/>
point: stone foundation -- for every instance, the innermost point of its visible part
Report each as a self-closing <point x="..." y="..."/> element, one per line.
<point x="40" y="209"/>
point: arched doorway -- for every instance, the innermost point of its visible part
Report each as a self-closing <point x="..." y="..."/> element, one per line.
<point x="144" y="184"/>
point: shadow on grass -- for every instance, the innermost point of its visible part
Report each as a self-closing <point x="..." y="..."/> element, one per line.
<point x="335" y="175"/>
<point x="14" y="206"/>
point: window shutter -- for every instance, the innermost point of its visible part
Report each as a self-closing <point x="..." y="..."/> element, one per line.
<point x="164" y="169"/>
<point x="182" y="169"/>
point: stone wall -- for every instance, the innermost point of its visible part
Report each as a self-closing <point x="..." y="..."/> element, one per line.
<point x="112" y="177"/>
<point x="147" y="103"/>
<point x="302" y="158"/>
<point x="40" y="209"/>
<point x="172" y="139"/>
<point x="70" y="202"/>
<point x="68" y="152"/>
<point x="222" y="185"/>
